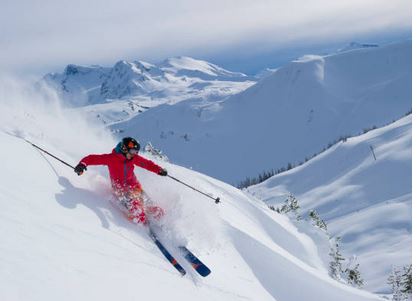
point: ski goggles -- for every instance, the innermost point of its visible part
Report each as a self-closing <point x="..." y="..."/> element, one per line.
<point x="133" y="151"/>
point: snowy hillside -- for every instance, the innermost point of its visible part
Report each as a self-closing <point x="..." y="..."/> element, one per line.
<point x="62" y="240"/>
<point x="285" y="117"/>
<point x="362" y="189"/>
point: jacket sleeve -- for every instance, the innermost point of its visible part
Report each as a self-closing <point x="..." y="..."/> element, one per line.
<point x="146" y="164"/>
<point x="103" y="159"/>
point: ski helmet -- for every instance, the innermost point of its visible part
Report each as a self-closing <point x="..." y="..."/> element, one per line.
<point x="130" y="145"/>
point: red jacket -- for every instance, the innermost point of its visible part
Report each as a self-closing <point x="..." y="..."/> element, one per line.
<point x="121" y="169"/>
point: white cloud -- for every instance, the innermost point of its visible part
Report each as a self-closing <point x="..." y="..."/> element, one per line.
<point x="56" y="32"/>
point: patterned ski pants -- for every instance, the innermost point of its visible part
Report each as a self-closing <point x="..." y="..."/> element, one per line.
<point x="138" y="205"/>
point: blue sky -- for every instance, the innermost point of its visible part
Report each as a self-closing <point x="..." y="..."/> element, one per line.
<point x="243" y="35"/>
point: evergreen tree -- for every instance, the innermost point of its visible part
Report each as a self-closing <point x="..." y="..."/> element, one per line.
<point x="345" y="273"/>
<point x="400" y="281"/>
<point x="336" y="270"/>
<point x="317" y="221"/>
<point x="406" y="280"/>
<point x="394" y="280"/>
<point x="155" y="152"/>
<point x="290" y="206"/>
<point x="353" y="276"/>
<point x="274" y="209"/>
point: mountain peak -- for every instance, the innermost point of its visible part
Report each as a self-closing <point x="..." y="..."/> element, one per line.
<point x="72" y="69"/>
<point x="191" y="67"/>
<point x="133" y="78"/>
<point x="188" y="63"/>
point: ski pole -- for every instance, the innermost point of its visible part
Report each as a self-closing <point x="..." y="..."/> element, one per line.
<point x="41" y="149"/>
<point x="216" y="200"/>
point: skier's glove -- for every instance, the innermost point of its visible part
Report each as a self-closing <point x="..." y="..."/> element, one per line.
<point x="163" y="172"/>
<point x="80" y="168"/>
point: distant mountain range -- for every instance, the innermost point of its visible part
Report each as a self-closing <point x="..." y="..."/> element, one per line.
<point x="191" y="108"/>
<point x="285" y="117"/>
<point x="174" y="78"/>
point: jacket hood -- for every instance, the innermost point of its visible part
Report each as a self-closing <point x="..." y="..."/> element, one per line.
<point x="118" y="153"/>
<point x="118" y="148"/>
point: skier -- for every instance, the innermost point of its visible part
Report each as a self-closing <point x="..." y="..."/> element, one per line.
<point x="126" y="187"/>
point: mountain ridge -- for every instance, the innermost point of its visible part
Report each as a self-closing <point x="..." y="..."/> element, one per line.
<point x="321" y="98"/>
<point x="94" y="84"/>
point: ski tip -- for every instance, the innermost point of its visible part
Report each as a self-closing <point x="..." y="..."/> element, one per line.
<point x="205" y="272"/>
<point x="202" y="269"/>
<point x="183" y="273"/>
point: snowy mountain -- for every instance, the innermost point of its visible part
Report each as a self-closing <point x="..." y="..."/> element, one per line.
<point x="129" y="79"/>
<point x="285" y="117"/>
<point x="63" y="240"/>
<point x="78" y="84"/>
<point x="173" y="80"/>
<point x="362" y="189"/>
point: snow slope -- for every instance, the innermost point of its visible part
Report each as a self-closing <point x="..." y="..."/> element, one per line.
<point x="364" y="199"/>
<point x="285" y="117"/>
<point x="63" y="240"/>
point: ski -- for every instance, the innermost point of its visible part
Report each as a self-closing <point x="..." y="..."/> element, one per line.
<point x="196" y="263"/>
<point x="166" y="253"/>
